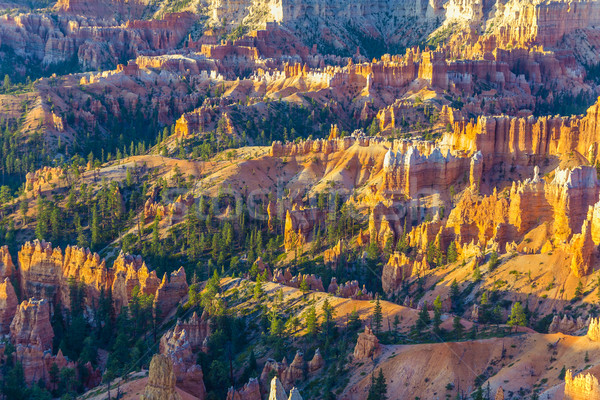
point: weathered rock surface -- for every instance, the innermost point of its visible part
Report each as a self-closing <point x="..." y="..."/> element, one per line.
<point x="170" y="292"/>
<point x="250" y="391"/>
<point x="45" y="272"/>
<point x="31" y="324"/>
<point x="7" y="268"/>
<point x="581" y="387"/>
<point x="161" y="380"/>
<point x="367" y="345"/>
<point x="8" y="305"/>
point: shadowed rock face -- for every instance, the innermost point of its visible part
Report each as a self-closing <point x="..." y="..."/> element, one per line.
<point x="161" y="380"/>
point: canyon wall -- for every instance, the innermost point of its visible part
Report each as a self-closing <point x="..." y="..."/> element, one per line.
<point x="46" y="272"/>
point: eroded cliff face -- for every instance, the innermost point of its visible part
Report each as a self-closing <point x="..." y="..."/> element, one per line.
<point x="161" y="380"/>
<point x="521" y="23"/>
<point x="45" y="272"/>
<point x="31" y="325"/>
<point x="515" y="141"/>
<point x="8" y="305"/>
<point x="583" y="386"/>
<point x="170" y="292"/>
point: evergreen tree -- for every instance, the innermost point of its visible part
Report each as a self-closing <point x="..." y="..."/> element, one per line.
<point x="455" y="295"/>
<point x="476" y="273"/>
<point x="377" y="316"/>
<point x="578" y="290"/>
<point x="96" y="236"/>
<point x="517" y="316"/>
<point x="457" y="328"/>
<point x="378" y="389"/>
<point x="354" y="320"/>
<point x="311" y="321"/>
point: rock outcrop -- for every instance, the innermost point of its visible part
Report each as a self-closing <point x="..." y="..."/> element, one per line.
<point x="568" y="325"/>
<point x="170" y="292"/>
<point x="294" y="372"/>
<point x="499" y="394"/>
<point x="128" y="272"/>
<point x="7" y="268"/>
<point x="45" y="272"/>
<point x="367" y="345"/>
<point x="396" y="271"/>
<point x="8" y="305"/>
<point x="250" y="391"/>
<point x="161" y="380"/>
<point x="593" y="332"/>
<point x="582" y="387"/>
<point x="277" y="392"/>
<point x="31" y="324"/>
<point x="316" y="363"/>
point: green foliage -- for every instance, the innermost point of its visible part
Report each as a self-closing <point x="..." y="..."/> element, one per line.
<point x="311" y="321"/>
<point x="377" y="316"/>
<point x="378" y="389"/>
<point x="517" y="315"/>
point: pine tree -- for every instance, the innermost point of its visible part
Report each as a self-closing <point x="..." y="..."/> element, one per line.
<point x="377" y="316"/>
<point x="457" y="328"/>
<point x="311" y="321"/>
<point x="476" y="273"/>
<point x="378" y="389"/>
<point x="354" y="320"/>
<point x="454" y="294"/>
<point x="493" y="263"/>
<point x="424" y="320"/>
<point x="452" y="254"/>
<point x="304" y="286"/>
<point x="517" y="316"/>
<point x="95" y="228"/>
<point x="579" y="290"/>
<point x="328" y="316"/>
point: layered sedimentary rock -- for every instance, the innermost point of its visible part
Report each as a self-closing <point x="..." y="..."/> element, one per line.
<point x="161" y="380"/>
<point x="567" y="325"/>
<point x="277" y="391"/>
<point x="7" y="268"/>
<point x="395" y="271"/>
<point x="299" y="225"/>
<point x="45" y="38"/>
<point x="129" y="272"/>
<point x="34" y="181"/>
<point x="349" y="290"/>
<point x="409" y="172"/>
<point x="45" y="272"/>
<point x="367" y="345"/>
<point x="31" y="324"/>
<point x="170" y="292"/>
<point x="294" y="372"/>
<point x="581" y="387"/>
<point x="195" y="329"/>
<point x="385" y="223"/>
<point x="514" y="140"/>
<point x="593" y="332"/>
<point x="316" y="363"/>
<point x="250" y="391"/>
<point x="8" y="305"/>
<point x="285" y="278"/>
<point x="32" y="334"/>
